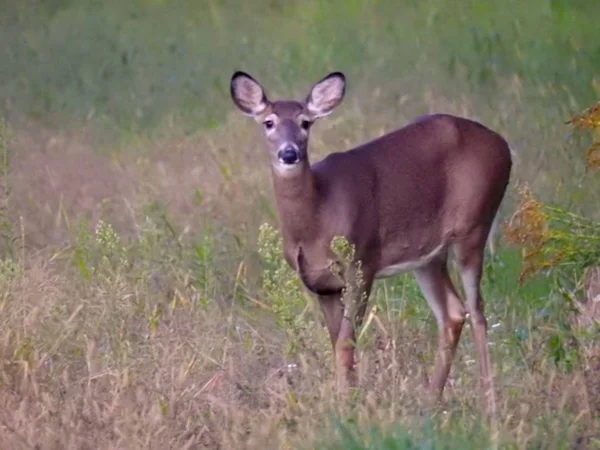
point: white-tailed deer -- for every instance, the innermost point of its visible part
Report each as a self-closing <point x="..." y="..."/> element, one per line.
<point x="403" y="200"/>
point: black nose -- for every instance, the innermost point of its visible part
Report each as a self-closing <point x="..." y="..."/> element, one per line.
<point x="288" y="155"/>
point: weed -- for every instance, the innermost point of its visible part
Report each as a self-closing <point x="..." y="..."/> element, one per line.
<point x="590" y="120"/>
<point x="552" y="237"/>
<point x="286" y="297"/>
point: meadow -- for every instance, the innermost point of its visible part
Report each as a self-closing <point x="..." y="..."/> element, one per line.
<point x="144" y="302"/>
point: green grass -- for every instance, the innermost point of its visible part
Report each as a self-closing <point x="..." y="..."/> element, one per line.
<point x="110" y="61"/>
<point x="522" y="67"/>
<point x="158" y="327"/>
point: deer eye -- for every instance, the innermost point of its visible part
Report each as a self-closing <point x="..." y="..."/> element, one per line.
<point x="305" y="124"/>
<point x="268" y="124"/>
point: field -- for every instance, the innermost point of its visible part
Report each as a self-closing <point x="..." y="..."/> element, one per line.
<point x="141" y="306"/>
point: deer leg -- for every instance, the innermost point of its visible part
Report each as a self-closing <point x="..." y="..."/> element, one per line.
<point x="333" y="312"/>
<point x="470" y="261"/>
<point x="436" y="285"/>
<point x="341" y="319"/>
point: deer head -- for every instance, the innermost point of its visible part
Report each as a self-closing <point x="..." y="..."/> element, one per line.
<point x="286" y="123"/>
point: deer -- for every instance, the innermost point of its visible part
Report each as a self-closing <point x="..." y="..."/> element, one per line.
<point x="406" y="201"/>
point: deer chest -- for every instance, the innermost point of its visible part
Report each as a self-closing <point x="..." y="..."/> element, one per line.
<point x="316" y="269"/>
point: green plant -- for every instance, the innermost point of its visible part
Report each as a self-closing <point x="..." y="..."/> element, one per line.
<point x="552" y="237"/>
<point x="285" y="295"/>
<point x="563" y="244"/>
<point x="280" y="284"/>
<point x="101" y="254"/>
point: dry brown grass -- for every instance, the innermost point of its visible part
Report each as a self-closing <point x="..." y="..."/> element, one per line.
<point x="81" y="368"/>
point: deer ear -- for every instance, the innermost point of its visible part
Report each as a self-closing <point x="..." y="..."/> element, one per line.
<point x="247" y="94"/>
<point x="326" y="94"/>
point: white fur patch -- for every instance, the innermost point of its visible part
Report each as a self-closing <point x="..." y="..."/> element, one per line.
<point x="287" y="170"/>
<point x="407" y="266"/>
<point x="434" y="294"/>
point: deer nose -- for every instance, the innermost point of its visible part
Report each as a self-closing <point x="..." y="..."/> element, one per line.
<point x="288" y="155"/>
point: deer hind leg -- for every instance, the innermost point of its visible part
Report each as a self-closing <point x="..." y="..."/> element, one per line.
<point x="470" y="254"/>
<point x="449" y="311"/>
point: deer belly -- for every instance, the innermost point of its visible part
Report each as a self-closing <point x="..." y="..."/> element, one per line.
<point x="410" y="265"/>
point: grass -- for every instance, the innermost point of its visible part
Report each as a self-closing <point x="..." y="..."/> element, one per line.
<point x="140" y="309"/>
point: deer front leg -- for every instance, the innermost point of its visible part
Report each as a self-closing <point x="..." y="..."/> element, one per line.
<point x="342" y="318"/>
<point x="341" y="333"/>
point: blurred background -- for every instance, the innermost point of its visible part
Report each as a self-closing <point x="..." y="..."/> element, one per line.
<point x="135" y="311"/>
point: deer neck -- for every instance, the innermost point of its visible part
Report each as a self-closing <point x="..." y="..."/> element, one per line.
<point x="296" y="197"/>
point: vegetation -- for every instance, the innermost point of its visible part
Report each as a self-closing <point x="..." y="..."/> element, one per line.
<point x="144" y="302"/>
